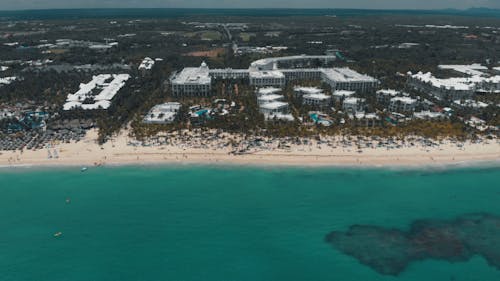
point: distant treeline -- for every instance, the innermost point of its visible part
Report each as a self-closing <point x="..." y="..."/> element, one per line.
<point x="178" y="12"/>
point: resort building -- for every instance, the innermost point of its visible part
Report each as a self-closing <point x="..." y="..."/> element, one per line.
<point x="348" y="79"/>
<point x="353" y="104"/>
<point x="427" y="115"/>
<point x="338" y="96"/>
<point x="365" y="119"/>
<point x="273" y="108"/>
<point x="269" y="98"/>
<point x="301" y="91"/>
<point x="192" y="81"/>
<point x="443" y="89"/>
<point x="147" y="64"/>
<point x="318" y="100"/>
<point x="470" y="104"/>
<point x="98" y="93"/>
<point x="269" y="72"/>
<point x="268" y="91"/>
<point x="385" y="96"/>
<point x="402" y="104"/>
<point x="163" y="113"/>
<point x="267" y="78"/>
<point x="477" y="79"/>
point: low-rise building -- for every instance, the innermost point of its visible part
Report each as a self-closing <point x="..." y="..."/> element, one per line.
<point x="339" y="95"/>
<point x="273" y="108"/>
<point x="384" y="96"/>
<point x="402" y="104"/>
<point x="427" y="115"/>
<point x="353" y="104"/>
<point x="268" y="91"/>
<point x="269" y="98"/>
<point x="348" y="79"/>
<point x="301" y="91"/>
<point x="163" y="113"/>
<point x="318" y="100"/>
<point x="470" y="104"/>
<point x="452" y="88"/>
<point x="98" y="93"/>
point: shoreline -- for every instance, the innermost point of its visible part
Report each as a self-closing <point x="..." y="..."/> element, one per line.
<point x="400" y="167"/>
<point x="123" y="151"/>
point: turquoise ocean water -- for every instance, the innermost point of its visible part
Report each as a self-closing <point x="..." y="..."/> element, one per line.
<point x="199" y="223"/>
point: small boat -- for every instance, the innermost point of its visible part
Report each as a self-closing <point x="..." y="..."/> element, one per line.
<point x="84" y="169"/>
<point x="57" y="234"/>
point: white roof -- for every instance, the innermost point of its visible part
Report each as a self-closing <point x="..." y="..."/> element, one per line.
<point x="427" y="114"/>
<point x="390" y="92"/>
<point x="280" y="116"/>
<point x="147" y="63"/>
<point x="353" y="100"/>
<point x="458" y="84"/>
<point x="308" y="90"/>
<point x="164" y="112"/>
<point x="343" y="93"/>
<point x="317" y="96"/>
<point x="101" y="100"/>
<point x="274" y="105"/>
<point x="271" y="97"/>
<point x="193" y="75"/>
<point x="472" y="69"/>
<point x="405" y="100"/>
<point x="346" y="74"/>
<point x="7" y="80"/>
<point x="269" y="63"/>
<point x="276" y="74"/>
<point x="268" y="90"/>
<point x="471" y="103"/>
<point x="363" y="115"/>
<point x="3" y="68"/>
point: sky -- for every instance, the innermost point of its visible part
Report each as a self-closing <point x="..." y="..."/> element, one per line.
<point x="358" y="4"/>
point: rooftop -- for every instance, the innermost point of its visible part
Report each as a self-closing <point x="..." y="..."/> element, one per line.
<point x="390" y="92"/>
<point x="472" y="69"/>
<point x="268" y="91"/>
<point x="193" y="75"/>
<point x="470" y="103"/>
<point x="147" y="63"/>
<point x="274" y="105"/>
<point x="308" y="90"/>
<point x="270" y="63"/>
<point x="352" y="100"/>
<point x="405" y="100"/>
<point x="458" y="84"/>
<point x="272" y="74"/>
<point x="162" y="113"/>
<point x="346" y="74"/>
<point x="342" y="93"/>
<point x="108" y="89"/>
<point x="317" y="96"/>
<point x="270" y="97"/>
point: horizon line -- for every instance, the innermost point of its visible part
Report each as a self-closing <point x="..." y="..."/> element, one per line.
<point x="255" y="8"/>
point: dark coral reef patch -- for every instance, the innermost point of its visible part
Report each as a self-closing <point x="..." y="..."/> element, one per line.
<point x="389" y="251"/>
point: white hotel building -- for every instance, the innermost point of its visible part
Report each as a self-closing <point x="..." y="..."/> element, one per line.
<point x="196" y="81"/>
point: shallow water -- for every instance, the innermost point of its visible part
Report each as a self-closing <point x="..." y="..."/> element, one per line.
<point x="201" y="223"/>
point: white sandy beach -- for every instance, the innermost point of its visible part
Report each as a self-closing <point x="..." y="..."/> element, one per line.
<point x="119" y="151"/>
